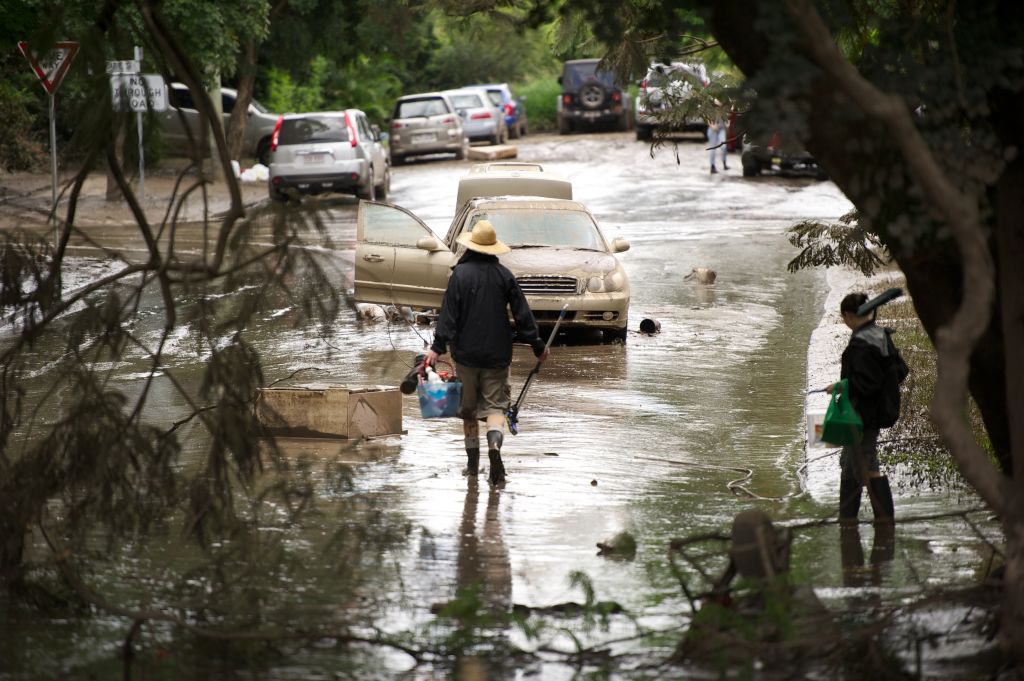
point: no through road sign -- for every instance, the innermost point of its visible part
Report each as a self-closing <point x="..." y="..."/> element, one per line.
<point x="138" y="93"/>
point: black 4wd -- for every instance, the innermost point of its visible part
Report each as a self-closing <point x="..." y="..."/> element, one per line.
<point x="591" y="98"/>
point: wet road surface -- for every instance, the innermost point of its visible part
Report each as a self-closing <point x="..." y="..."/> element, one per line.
<point x="665" y="436"/>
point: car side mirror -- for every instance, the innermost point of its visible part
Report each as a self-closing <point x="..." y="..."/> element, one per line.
<point x="619" y="245"/>
<point x="427" y="243"/>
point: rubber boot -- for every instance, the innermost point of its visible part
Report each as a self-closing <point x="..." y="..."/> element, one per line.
<point x="849" y="498"/>
<point x="473" y="459"/>
<point x="881" y="499"/>
<point x="497" y="470"/>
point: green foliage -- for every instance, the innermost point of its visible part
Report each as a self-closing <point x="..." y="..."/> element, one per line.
<point x="541" y="96"/>
<point x="284" y="95"/>
<point x="846" y="243"/>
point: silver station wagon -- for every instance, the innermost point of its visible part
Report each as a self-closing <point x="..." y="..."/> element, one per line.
<point x="327" y="151"/>
<point x="426" y="124"/>
<point x="559" y="254"/>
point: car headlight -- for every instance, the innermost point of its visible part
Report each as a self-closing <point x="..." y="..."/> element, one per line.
<point x="613" y="281"/>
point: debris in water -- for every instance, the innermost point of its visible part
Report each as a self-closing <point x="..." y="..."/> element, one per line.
<point x="622" y="545"/>
<point x="550" y="453"/>
<point x="593" y="483"/>
<point x="650" y="326"/>
<point x="702" y="275"/>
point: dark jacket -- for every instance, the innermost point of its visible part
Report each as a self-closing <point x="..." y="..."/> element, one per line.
<point x="864" y="364"/>
<point x="474" y="314"/>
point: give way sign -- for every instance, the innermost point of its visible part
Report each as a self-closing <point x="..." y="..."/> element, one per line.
<point x="50" y="67"/>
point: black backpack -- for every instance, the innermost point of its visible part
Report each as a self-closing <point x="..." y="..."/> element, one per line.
<point x="896" y="371"/>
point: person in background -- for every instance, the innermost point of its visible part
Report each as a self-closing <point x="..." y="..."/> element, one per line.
<point x="864" y="365"/>
<point x="474" y="322"/>
<point x="717" y="127"/>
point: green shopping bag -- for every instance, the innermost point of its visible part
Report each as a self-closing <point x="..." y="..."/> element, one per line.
<point x="842" y="426"/>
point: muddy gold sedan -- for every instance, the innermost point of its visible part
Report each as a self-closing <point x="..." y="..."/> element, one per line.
<point x="559" y="255"/>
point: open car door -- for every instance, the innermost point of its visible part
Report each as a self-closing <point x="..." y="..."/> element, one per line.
<point x="399" y="261"/>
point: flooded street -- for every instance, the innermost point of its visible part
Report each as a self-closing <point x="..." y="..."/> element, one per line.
<point x="665" y="436"/>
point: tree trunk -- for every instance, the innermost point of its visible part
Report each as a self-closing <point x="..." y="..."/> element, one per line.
<point x="246" y="84"/>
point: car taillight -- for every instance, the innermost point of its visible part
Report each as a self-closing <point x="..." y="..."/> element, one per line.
<point x="276" y="134"/>
<point x="616" y="96"/>
<point x="480" y="115"/>
<point x="448" y="120"/>
<point x="509" y="110"/>
<point x="566" y="99"/>
<point x="396" y="125"/>
<point x="351" y="130"/>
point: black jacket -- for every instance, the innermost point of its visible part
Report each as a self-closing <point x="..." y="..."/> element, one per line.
<point x="864" y="364"/>
<point x="474" y="314"/>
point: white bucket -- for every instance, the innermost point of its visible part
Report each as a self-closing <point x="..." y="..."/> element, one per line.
<point x="815" y="421"/>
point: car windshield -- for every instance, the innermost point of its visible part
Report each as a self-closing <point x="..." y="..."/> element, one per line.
<point x="418" y="108"/>
<point x="313" y="129"/>
<point x="536" y="227"/>
<point x="467" y="101"/>
<point x="259" y="107"/>
<point x="577" y="74"/>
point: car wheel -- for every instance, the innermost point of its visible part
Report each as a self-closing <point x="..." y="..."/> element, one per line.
<point x="564" y="127"/>
<point x="751" y="168"/>
<point x="384" y="188"/>
<point x="276" y="196"/>
<point x="463" y="151"/>
<point x="615" y="335"/>
<point x="397" y="160"/>
<point x="623" y="122"/>
<point x="644" y="132"/>
<point x="263" y="151"/>
<point x="369" y="192"/>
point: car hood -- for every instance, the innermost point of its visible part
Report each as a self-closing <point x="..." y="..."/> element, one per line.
<point x="558" y="261"/>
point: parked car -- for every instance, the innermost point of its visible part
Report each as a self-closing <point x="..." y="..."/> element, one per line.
<point x="514" y="107"/>
<point x="668" y="85"/>
<point x="591" y="97"/>
<point x="781" y="158"/>
<point x="559" y="255"/>
<point x="181" y="114"/>
<point x="328" y="151"/>
<point x="481" y="118"/>
<point x="426" y="123"/>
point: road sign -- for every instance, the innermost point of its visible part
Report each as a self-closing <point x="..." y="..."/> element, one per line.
<point x="124" y="66"/>
<point x="50" y="67"/>
<point x="138" y="92"/>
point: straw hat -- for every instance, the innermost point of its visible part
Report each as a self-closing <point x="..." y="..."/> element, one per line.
<point x="483" y="239"/>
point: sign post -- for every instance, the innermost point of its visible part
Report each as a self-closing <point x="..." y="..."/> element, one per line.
<point x="141" y="92"/>
<point x="51" y="69"/>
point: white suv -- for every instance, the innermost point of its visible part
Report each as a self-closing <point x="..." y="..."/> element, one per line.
<point x="668" y="85"/>
<point x="328" y="151"/>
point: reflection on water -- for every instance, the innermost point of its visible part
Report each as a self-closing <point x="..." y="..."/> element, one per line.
<point x="483" y="561"/>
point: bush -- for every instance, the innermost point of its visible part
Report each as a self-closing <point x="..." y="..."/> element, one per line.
<point x="22" y="148"/>
<point x="541" y="102"/>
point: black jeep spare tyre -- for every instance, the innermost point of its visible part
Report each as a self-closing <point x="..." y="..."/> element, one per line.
<point x="591" y="95"/>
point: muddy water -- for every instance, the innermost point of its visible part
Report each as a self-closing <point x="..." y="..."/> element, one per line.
<point x="666" y="436"/>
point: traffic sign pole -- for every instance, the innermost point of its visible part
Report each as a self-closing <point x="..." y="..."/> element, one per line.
<point x="138" y="123"/>
<point x="53" y="157"/>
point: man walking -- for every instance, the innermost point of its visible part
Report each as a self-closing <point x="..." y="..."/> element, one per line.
<point x="474" y="321"/>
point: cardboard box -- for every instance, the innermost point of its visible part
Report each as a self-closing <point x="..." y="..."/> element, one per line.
<point x="326" y="410"/>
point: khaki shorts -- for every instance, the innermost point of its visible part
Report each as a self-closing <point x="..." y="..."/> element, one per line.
<point x="485" y="392"/>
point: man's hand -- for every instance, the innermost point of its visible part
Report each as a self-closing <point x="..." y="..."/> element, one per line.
<point x="430" y="359"/>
